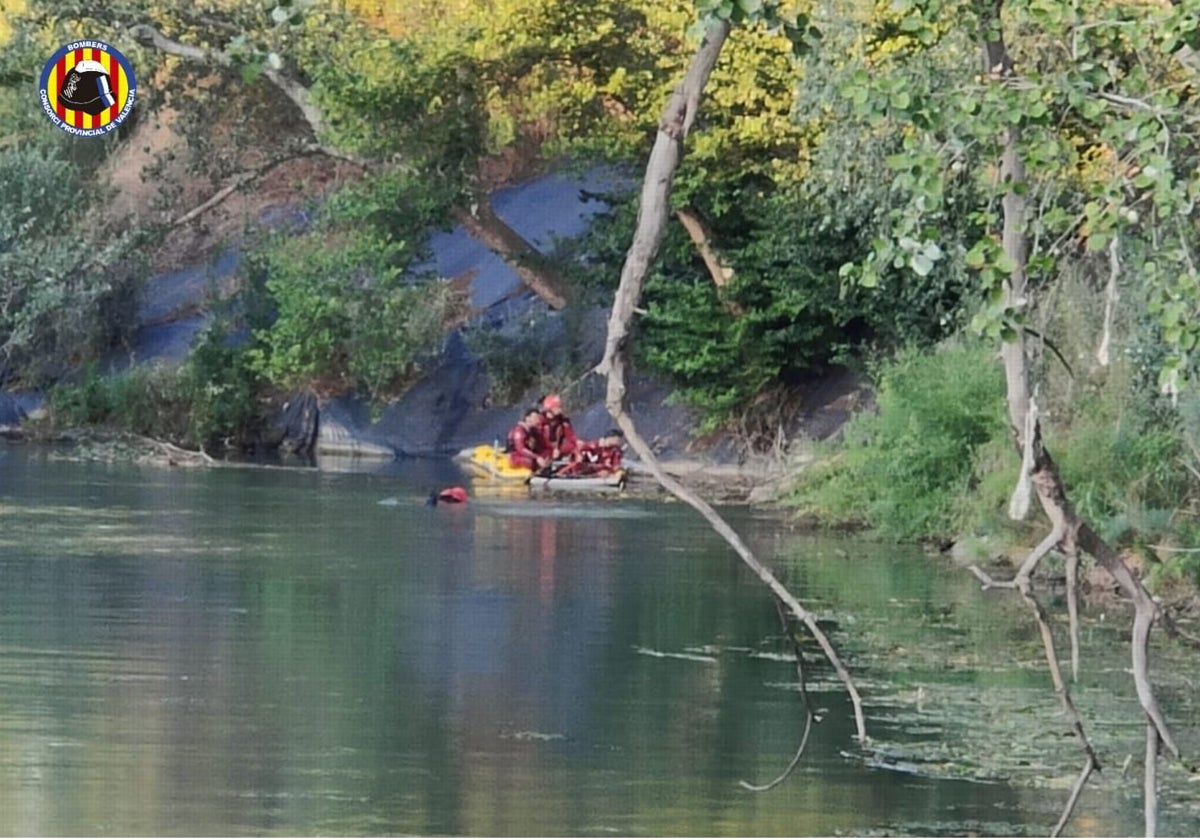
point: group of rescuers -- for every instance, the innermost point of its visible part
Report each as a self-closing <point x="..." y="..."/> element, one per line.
<point x="544" y="441"/>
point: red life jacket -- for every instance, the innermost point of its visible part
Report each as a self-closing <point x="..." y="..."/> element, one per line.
<point x="560" y="435"/>
<point x="523" y="447"/>
<point x="593" y="459"/>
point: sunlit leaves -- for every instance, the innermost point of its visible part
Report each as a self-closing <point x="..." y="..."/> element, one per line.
<point x="1105" y="114"/>
<point x="775" y="16"/>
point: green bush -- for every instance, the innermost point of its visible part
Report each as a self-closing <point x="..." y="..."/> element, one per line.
<point x="718" y="360"/>
<point x="937" y="459"/>
<point x="65" y="292"/>
<point x="1118" y="468"/>
<point x="222" y="390"/>
<point x="521" y="355"/>
<point x="1179" y="569"/>
<point x="906" y="470"/>
<point x="1121" y="452"/>
<point x="338" y="306"/>
<point x="208" y="402"/>
<point x="344" y="316"/>
<point x="147" y="400"/>
<point x="786" y="309"/>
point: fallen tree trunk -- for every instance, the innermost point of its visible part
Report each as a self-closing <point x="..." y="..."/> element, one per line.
<point x="482" y="223"/>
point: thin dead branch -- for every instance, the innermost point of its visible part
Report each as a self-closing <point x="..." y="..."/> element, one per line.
<point x="809" y="715"/>
<point x="243" y="179"/>
<point x="1073" y="799"/>
<point x="782" y="777"/>
<point x="173" y="451"/>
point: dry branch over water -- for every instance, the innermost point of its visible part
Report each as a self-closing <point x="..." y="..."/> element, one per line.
<point x="653" y="215"/>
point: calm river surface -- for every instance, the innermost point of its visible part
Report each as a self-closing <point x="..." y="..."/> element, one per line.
<point x="259" y="651"/>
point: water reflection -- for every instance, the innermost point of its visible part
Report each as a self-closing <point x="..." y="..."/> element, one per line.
<point x="249" y="652"/>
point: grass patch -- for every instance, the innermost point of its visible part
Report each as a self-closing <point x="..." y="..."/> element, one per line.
<point x="208" y="402"/>
<point x="936" y="461"/>
<point x="905" y="470"/>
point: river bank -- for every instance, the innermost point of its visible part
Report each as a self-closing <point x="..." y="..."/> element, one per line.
<point x="752" y="481"/>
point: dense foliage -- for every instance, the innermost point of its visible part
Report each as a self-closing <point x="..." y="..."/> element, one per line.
<point x="448" y="88"/>
<point x="844" y="169"/>
<point x="66" y="276"/>
<point x="342" y="303"/>
<point x="345" y="316"/>
<point x="907" y="470"/>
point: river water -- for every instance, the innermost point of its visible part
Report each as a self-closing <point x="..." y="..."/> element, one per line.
<point x="264" y="651"/>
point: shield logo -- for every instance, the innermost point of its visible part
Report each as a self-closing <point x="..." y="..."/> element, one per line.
<point x="88" y="88"/>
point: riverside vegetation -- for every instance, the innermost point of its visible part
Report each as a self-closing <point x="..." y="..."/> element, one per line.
<point x="793" y="185"/>
<point x="858" y="189"/>
<point x="785" y="192"/>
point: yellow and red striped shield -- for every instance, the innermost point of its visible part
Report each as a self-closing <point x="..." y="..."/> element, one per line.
<point x="111" y="88"/>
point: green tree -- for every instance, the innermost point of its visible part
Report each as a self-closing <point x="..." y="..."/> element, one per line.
<point x="341" y="304"/>
<point x="1078" y="127"/>
<point x="67" y="282"/>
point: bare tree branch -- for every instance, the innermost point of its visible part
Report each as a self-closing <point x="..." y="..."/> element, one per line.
<point x="1146" y="610"/>
<point x="1023" y="583"/>
<point x="1072" y="564"/>
<point x="718" y="269"/>
<point x="241" y="180"/>
<point x="809" y="715"/>
<point x="653" y="215"/>
<point x="296" y="92"/>
<point x="301" y="97"/>
<point x="1150" y="778"/>
<point x="151" y="36"/>
<point x="1060" y="686"/>
<point x="171" y="450"/>
<point x="1073" y="799"/>
<point x="792" y="765"/>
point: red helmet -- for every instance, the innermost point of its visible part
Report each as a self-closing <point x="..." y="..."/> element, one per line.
<point x="453" y="495"/>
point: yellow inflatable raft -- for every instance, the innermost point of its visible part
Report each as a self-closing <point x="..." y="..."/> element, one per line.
<point x="489" y="461"/>
<point x="492" y="462"/>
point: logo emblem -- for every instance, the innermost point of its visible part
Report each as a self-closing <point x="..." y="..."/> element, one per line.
<point x="88" y="88"/>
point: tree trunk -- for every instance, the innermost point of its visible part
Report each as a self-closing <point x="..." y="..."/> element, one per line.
<point x="1069" y="532"/>
<point x="535" y="271"/>
<point x="653" y="215"/>
<point x="718" y="269"/>
<point x="1016" y="247"/>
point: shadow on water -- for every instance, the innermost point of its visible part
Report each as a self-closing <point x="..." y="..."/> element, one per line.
<point x="300" y="651"/>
